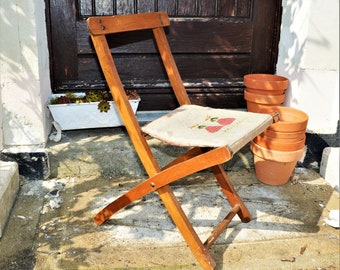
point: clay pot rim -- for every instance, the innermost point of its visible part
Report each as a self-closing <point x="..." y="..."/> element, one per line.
<point x="290" y="110"/>
<point x="280" y="145"/>
<point x="275" y="155"/>
<point x="265" y="81"/>
<point x="272" y="133"/>
<point x="299" y="124"/>
<point x="281" y="136"/>
<point x="265" y="91"/>
<point x="273" y="140"/>
<point x="284" y="138"/>
<point x="264" y="99"/>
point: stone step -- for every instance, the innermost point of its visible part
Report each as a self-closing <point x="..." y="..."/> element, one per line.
<point x="9" y="185"/>
<point x="329" y="168"/>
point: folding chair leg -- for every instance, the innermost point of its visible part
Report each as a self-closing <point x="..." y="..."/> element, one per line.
<point x="184" y="226"/>
<point x="230" y="192"/>
<point x="220" y="228"/>
<point x="164" y="177"/>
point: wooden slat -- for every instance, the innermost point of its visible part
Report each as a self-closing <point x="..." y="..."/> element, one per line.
<point x="115" y="24"/>
<point x="187" y="8"/>
<point x="184" y="37"/>
<point x="243" y="8"/>
<point x="145" y="6"/>
<point x="167" y="6"/>
<point x="148" y="68"/>
<point x="64" y="44"/>
<point x="212" y="84"/>
<point x="125" y="6"/>
<point x="85" y="8"/>
<point x="227" y="8"/>
<point x="104" y="7"/>
<point x="221" y="227"/>
<point x="206" y="8"/>
<point x="167" y="101"/>
<point x="263" y="56"/>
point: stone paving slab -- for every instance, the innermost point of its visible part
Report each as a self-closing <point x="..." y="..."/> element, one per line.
<point x="109" y="152"/>
<point x="51" y="225"/>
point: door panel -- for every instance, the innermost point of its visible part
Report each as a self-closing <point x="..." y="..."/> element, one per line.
<point x="214" y="44"/>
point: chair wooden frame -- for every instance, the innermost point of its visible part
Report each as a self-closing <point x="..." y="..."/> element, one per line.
<point x="194" y="160"/>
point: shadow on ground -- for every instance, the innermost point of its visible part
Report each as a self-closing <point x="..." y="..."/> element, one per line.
<point x="51" y="224"/>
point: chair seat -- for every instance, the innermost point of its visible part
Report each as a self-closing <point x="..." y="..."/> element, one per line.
<point x="193" y="125"/>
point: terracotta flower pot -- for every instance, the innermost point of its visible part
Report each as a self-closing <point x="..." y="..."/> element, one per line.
<point x="284" y="136"/>
<point x="279" y="145"/>
<point x="265" y="82"/>
<point x="265" y="92"/>
<point x="291" y="120"/>
<point x="274" y="167"/>
<point x="264" y="99"/>
<point x="257" y="102"/>
<point x="272" y="172"/>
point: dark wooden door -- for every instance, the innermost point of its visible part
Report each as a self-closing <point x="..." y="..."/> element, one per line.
<point x="215" y="43"/>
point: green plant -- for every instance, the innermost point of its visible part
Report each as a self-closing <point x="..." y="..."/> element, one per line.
<point x="101" y="96"/>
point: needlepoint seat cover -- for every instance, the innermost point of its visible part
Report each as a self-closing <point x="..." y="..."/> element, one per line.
<point x="193" y="125"/>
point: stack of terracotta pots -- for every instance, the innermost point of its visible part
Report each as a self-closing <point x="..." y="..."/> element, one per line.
<point x="277" y="150"/>
<point x="264" y="90"/>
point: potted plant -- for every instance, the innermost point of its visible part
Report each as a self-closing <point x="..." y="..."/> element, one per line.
<point x="93" y="109"/>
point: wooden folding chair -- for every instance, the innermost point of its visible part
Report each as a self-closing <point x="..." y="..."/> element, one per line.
<point x="212" y="135"/>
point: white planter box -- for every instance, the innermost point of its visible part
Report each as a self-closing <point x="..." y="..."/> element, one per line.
<point x="86" y="115"/>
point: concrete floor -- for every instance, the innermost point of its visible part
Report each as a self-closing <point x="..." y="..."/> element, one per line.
<point x="51" y="226"/>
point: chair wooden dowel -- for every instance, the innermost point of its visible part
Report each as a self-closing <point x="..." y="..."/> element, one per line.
<point x="230" y="192"/>
<point x="220" y="228"/>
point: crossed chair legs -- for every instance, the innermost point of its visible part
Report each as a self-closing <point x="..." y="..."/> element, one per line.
<point x="194" y="160"/>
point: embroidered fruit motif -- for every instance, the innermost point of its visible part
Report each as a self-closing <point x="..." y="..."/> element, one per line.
<point x="225" y="121"/>
<point x="222" y="122"/>
<point x="213" y="129"/>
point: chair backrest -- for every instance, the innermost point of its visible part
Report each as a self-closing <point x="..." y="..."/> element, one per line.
<point x="101" y="26"/>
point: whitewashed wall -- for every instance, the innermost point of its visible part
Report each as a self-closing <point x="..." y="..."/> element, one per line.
<point x="309" y="57"/>
<point x="1" y="131"/>
<point x="24" y="69"/>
